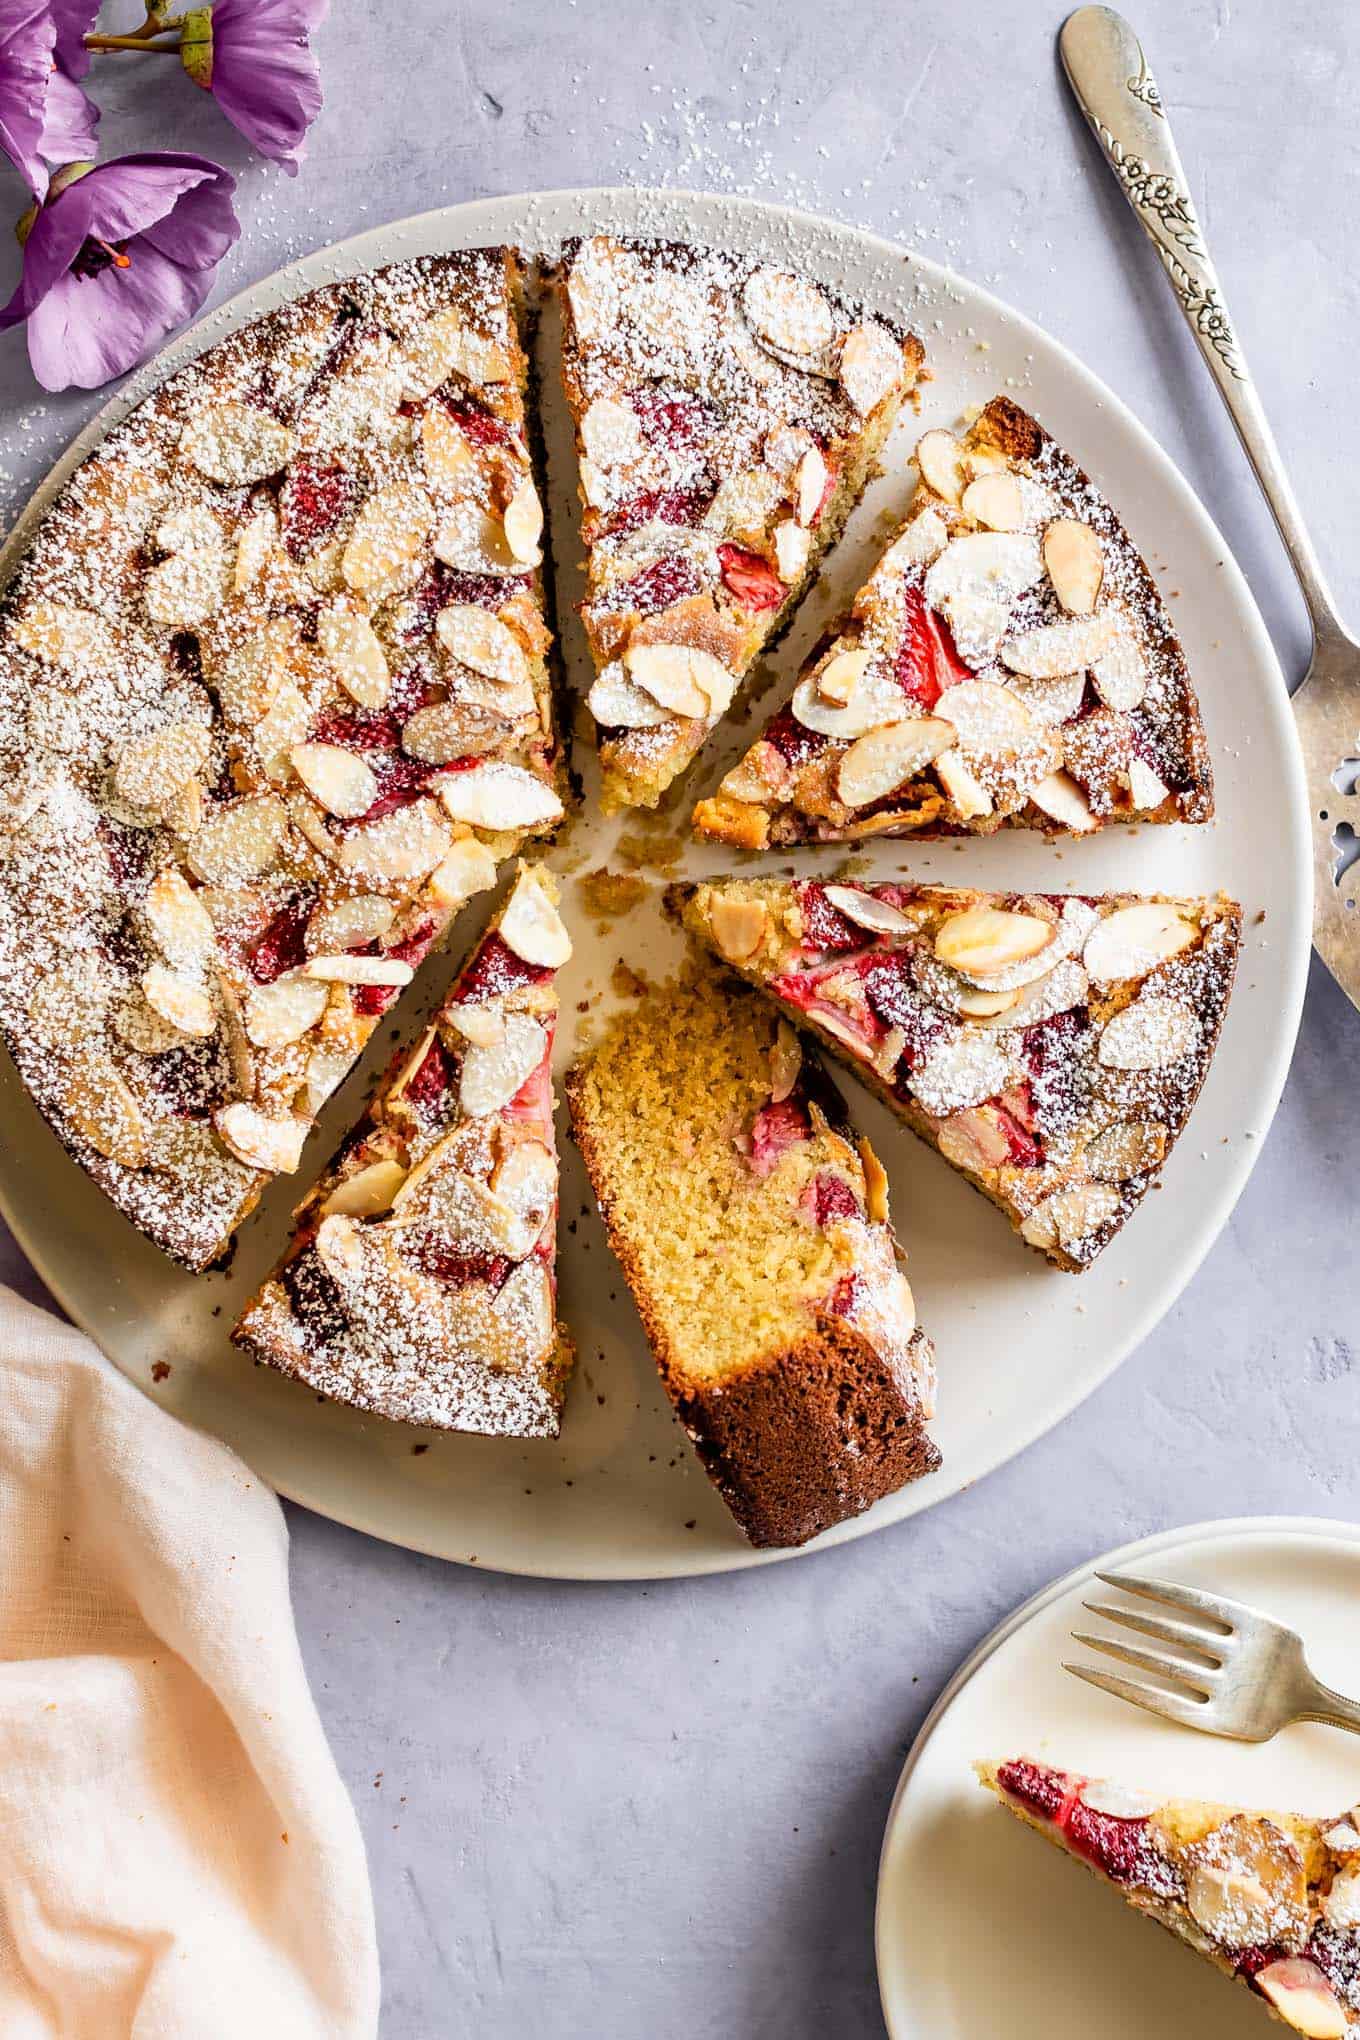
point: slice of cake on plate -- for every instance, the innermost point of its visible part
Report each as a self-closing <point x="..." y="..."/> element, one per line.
<point x="1049" y="1046"/>
<point x="273" y="701"/>
<point x="728" y="415"/>
<point x="752" y="1225"/>
<point x="420" y="1279"/>
<point x="1009" y="662"/>
<point x="1271" y="1898"/>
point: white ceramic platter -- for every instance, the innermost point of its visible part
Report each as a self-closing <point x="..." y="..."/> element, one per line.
<point x="620" y="1495"/>
<point x="983" y="1927"/>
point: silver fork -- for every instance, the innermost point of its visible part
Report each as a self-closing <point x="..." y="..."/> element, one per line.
<point x="1239" y="1673"/>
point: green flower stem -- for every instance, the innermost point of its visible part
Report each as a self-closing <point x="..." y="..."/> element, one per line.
<point x="131" y="42"/>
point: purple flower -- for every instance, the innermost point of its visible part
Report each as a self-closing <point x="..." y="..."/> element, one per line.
<point x="115" y="260"/>
<point x="253" y="56"/>
<point x="45" y="118"/>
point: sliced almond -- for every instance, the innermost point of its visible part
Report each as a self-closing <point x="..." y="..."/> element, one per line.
<point x="1120" y="673"/>
<point x="879" y="762"/>
<point x="940" y="459"/>
<point x="134" y="1022"/>
<point x="468" y="868"/>
<point x="922" y="539"/>
<point x="1055" y="990"/>
<point x="1063" y="800"/>
<point x="784" y="447"/>
<point x="1053" y="702"/>
<point x="449" y="461"/>
<point x="877" y="700"/>
<point x="480" y="1021"/>
<point x="389" y="537"/>
<point x="792" y="550"/>
<point x="180" y="1001"/>
<point x="235" y="443"/>
<point x="405" y="844"/>
<point x="449" y="730"/>
<point x="524" y="1302"/>
<point x="1341" y="1907"/>
<point x="61" y="635"/>
<point x="355" y="655"/>
<point x="286" y="723"/>
<point x="479" y="640"/>
<point x="866" y="910"/>
<point x="260" y="1139"/>
<point x="367" y="1193"/>
<point x="875" y="1183"/>
<point x="445" y="346"/>
<point x="1299" y="1990"/>
<point x="1146" y="790"/>
<point x="617" y="704"/>
<point x="340" y="780"/>
<point x="1070" y="1216"/>
<point x="1056" y="648"/>
<point x="791" y="318"/>
<point x="1134" y="940"/>
<point x="473" y="541"/>
<point x="259" y="537"/>
<point x="871" y="365"/>
<point x="975" y="1004"/>
<point x="151" y="769"/>
<point x="349" y="924"/>
<point x="491" y="1077"/>
<point x="532" y="926"/>
<point x="523" y="521"/>
<point x="102" y="1109"/>
<point x="975" y="583"/>
<point x="985" y="940"/>
<point x="786" y="1061"/>
<point x="499" y="796"/>
<point x="284" y="1011"/>
<point x="526" y="1180"/>
<point x="737" y="926"/>
<point x="251" y="675"/>
<point x="995" y="500"/>
<point x="177" y="920"/>
<point x="1074" y="564"/>
<point x="1151" y="1034"/>
<point x="809" y="485"/>
<point x="988" y="719"/>
<point x="327" y="1067"/>
<point x="682" y="678"/>
<point x="974" y="1140"/>
<point x="611" y="433"/>
<point x="961" y="783"/>
<point x="1128" y="1148"/>
<point x="965" y="1068"/>
<point x="347" y="969"/>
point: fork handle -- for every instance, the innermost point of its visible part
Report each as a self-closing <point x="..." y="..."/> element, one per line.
<point x="1320" y="1703"/>
<point x="1117" y="92"/>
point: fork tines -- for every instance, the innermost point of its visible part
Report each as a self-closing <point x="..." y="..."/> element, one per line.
<point x="1183" y="1684"/>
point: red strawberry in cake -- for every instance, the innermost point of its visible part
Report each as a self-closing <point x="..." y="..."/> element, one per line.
<point x="420" y="1282"/>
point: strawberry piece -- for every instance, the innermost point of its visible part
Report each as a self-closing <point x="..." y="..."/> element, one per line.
<point x="828" y="491"/>
<point x="1015" y="1111"/>
<point x="667" y="580"/>
<point x="496" y="969"/>
<point x="776" y="1128"/>
<point x="374" y="999"/>
<point x="845" y="1296"/>
<point x="750" y="578"/>
<point x="661" y="506"/>
<point x="400" y="781"/>
<point x="894" y="997"/>
<point x="130" y="851"/>
<point x="1124" y="1849"/>
<point x="356" y="732"/>
<point x="1035" y="1785"/>
<point x="1059" y="1054"/>
<point x="454" y="1266"/>
<point x="1336" y="1951"/>
<point x="825" y="927"/>
<point x="282" y="944"/>
<point x="794" y="743"/>
<point x="472" y="418"/>
<point x="429" y="1086"/>
<point x="927" y="659"/>
<point x="827" y="1197"/>
<point x="679" y="422"/>
<point x="316" y="495"/>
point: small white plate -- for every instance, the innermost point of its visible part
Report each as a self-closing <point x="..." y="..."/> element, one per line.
<point x="621" y="1494"/>
<point x="982" y="1927"/>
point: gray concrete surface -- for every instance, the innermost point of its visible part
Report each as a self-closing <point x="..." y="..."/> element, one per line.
<point x="623" y="1812"/>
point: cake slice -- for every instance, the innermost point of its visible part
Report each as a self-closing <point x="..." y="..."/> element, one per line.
<point x="1009" y="662"/>
<point x="1272" y="1898"/>
<point x="1049" y="1046"/>
<point x="728" y="415"/>
<point x="273" y="702"/>
<point x="752" y="1225"/>
<point x="420" y="1281"/>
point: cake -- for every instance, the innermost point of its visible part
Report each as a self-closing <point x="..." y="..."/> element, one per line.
<point x="1008" y="663"/>
<point x="752" y="1225"/>
<point x="274" y="700"/>
<point x="1050" y="1046"/>
<point x="728" y="415"/>
<point x="419" y="1282"/>
<point x="1271" y="1898"/>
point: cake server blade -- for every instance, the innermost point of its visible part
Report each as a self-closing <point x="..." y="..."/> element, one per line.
<point x="1114" y="86"/>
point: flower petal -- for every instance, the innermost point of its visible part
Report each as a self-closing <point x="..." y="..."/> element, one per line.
<point x="132" y="193"/>
<point x="264" y="76"/>
<point x="89" y="329"/>
<point x="27" y="38"/>
<point x="200" y="227"/>
<point x="74" y="19"/>
<point x="68" y="134"/>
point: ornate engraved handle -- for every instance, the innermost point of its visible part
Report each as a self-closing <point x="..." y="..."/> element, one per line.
<point x="1117" y="92"/>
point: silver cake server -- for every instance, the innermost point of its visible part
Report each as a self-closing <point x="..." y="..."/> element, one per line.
<point x="1109" y="74"/>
